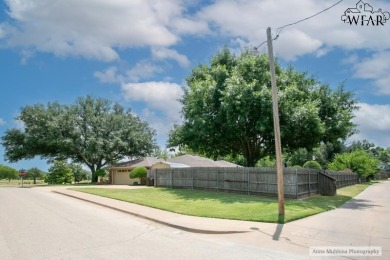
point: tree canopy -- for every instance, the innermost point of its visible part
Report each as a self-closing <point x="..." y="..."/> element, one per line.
<point x="227" y="109"/>
<point x="92" y="131"/>
<point x="8" y="173"/>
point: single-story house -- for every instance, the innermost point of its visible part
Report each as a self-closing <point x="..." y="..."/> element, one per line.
<point x="165" y="164"/>
<point x="119" y="173"/>
<point x="197" y="161"/>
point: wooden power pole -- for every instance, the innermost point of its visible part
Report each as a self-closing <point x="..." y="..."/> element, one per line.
<point x="278" y="146"/>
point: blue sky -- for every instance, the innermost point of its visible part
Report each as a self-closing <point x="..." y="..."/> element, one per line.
<point x="138" y="53"/>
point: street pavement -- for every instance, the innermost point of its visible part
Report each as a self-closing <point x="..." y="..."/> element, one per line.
<point x="363" y="221"/>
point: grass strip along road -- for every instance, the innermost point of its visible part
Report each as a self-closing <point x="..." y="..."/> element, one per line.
<point x="227" y="205"/>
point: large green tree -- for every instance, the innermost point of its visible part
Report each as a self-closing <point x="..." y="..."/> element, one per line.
<point x="227" y="109"/>
<point x="93" y="131"/>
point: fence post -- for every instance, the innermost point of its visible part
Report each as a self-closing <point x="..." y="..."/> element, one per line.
<point x="248" y="185"/>
<point x="172" y="179"/>
<point x="217" y="179"/>
<point x="155" y="177"/>
<point x="309" y="183"/>
<point x="296" y="182"/>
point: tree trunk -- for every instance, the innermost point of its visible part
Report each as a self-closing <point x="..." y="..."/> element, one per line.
<point x="94" y="176"/>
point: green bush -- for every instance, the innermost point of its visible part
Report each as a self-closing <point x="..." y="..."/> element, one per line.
<point x="297" y="167"/>
<point x="138" y="172"/>
<point x="312" y="165"/>
<point x="359" y="161"/>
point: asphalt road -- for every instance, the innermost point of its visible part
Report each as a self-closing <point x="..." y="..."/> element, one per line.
<point x="35" y="224"/>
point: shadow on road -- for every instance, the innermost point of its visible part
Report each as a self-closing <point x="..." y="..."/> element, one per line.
<point x="359" y="204"/>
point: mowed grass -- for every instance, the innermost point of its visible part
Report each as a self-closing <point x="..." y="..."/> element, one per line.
<point x="228" y="205"/>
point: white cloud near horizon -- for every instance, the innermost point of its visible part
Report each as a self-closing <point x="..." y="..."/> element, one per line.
<point x="2" y="122"/>
<point x="162" y="96"/>
<point x="377" y="69"/>
<point x="373" y="123"/>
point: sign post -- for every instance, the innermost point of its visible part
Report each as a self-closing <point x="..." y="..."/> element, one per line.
<point x="22" y="173"/>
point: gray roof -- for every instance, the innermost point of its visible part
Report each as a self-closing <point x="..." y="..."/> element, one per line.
<point x="197" y="161"/>
<point x="145" y="161"/>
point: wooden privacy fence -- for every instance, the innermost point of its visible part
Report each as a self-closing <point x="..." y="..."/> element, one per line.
<point x="298" y="183"/>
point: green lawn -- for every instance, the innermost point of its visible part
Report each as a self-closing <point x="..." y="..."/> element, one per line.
<point x="228" y="205"/>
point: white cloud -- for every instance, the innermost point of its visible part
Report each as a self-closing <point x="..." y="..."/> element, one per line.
<point x="373" y="123"/>
<point x="143" y="70"/>
<point x="2" y="122"/>
<point x="376" y="68"/>
<point x="163" y="96"/>
<point x="301" y="41"/>
<point x="91" y="29"/>
<point x="97" y="29"/>
<point x="165" y="53"/>
<point x="249" y="20"/>
<point x="158" y="123"/>
<point x="110" y="76"/>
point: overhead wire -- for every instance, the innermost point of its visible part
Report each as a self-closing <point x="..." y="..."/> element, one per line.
<point x="279" y="29"/>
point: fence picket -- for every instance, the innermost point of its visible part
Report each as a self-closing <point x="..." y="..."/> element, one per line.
<point x="298" y="183"/>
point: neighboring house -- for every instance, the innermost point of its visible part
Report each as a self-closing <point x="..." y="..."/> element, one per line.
<point x="119" y="173"/>
<point x="197" y="161"/>
<point x="165" y="165"/>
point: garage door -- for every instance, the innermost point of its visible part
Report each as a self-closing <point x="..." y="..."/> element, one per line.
<point x="123" y="178"/>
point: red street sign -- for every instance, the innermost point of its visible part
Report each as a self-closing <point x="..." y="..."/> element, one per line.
<point x="22" y="173"/>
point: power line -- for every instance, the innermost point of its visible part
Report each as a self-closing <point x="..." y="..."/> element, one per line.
<point x="304" y="19"/>
<point x="279" y="29"/>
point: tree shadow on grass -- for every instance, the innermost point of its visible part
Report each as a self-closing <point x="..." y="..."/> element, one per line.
<point x="221" y="196"/>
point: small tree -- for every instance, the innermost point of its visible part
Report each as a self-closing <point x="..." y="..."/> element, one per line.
<point x="78" y="172"/>
<point x="100" y="173"/>
<point x="139" y="172"/>
<point x="359" y="161"/>
<point x="59" y="173"/>
<point x="312" y="165"/>
<point x="34" y="174"/>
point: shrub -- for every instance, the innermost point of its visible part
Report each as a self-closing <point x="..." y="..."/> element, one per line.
<point x="297" y="167"/>
<point x="138" y="172"/>
<point x="359" y="161"/>
<point x="312" y="165"/>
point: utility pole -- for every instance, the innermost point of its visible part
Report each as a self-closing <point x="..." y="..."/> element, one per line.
<point x="278" y="146"/>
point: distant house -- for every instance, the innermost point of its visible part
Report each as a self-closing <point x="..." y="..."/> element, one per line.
<point x="197" y="161"/>
<point x="119" y="173"/>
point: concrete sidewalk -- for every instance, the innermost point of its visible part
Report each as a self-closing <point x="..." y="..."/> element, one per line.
<point x="363" y="221"/>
